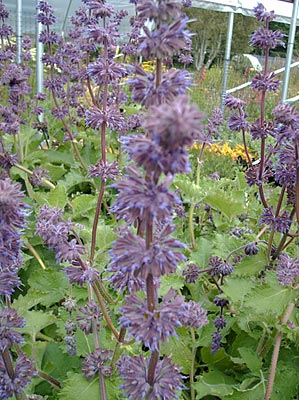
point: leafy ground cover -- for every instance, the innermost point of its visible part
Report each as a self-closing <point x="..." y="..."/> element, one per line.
<point x="144" y="253"/>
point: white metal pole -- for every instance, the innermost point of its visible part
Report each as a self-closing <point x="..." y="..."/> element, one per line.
<point x="19" y="31"/>
<point x="292" y="32"/>
<point x="227" y="55"/>
<point x="39" y="54"/>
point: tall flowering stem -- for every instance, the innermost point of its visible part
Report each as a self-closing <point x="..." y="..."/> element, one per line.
<point x="146" y="201"/>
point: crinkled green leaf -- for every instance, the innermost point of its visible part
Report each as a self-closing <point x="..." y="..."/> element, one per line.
<point x="225" y="203"/>
<point x="214" y="383"/>
<point x="57" y="197"/>
<point x="251" y="359"/>
<point x="269" y="298"/>
<point x="36" y="321"/>
<point x="77" y="387"/>
<point x="235" y="289"/>
<point x="171" y="281"/>
<point x="190" y="191"/>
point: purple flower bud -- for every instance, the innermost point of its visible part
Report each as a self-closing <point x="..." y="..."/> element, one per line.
<point x="191" y="273"/>
<point x="219" y="302"/>
<point x="251" y="249"/>
<point x="89" y="317"/>
<point x="220" y="322"/>
<point x="71" y="346"/>
<point x="216" y="342"/>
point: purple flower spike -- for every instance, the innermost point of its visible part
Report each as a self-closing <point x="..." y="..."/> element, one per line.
<point x="152" y="327"/>
<point x="134" y="371"/>
<point x="287" y="270"/>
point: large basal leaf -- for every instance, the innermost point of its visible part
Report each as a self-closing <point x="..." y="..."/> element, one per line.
<point x="82" y="206"/>
<point x="190" y="191"/>
<point x="203" y="251"/>
<point x="214" y="383"/>
<point x="235" y="289"/>
<point x="50" y="156"/>
<point x="52" y="283"/>
<point x="251" y="359"/>
<point x="176" y="347"/>
<point x="269" y="298"/>
<point x="36" y="321"/>
<point x="58" y="197"/>
<point x="252" y="265"/>
<point x="77" y="387"/>
<point x="171" y="281"/>
<point x="31" y="299"/>
<point x="225" y="203"/>
<point x="254" y="391"/>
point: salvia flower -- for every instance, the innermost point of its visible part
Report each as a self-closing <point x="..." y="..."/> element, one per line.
<point x="266" y="39"/>
<point x="9" y="320"/>
<point x="262" y="15"/>
<point x="105" y="170"/>
<point x="251" y="249"/>
<point x="191" y="273"/>
<point x="174" y="125"/>
<point x="152" y="327"/>
<point x="234" y="103"/>
<point x="216" y="342"/>
<point x="160" y="12"/>
<point x="38" y="175"/>
<point x="220" y="322"/>
<point x="95" y="362"/>
<point x="89" y="317"/>
<point x="220" y="302"/>
<point x="237" y="122"/>
<point x="134" y="371"/>
<point x="280" y="223"/>
<point x="193" y="315"/>
<point x="166" y="41"/>
<point x="8" y="160"/>
<point x="286" y="114"/>
<point x="287" y="270"/>
<point x="112" y="118"/>
<point x="142" y="199"/>
<point x="23" y="372"/>
<point x="81" y="276"/>
<point x="265" y="81"/>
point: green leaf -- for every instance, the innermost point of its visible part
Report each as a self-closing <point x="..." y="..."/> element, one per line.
<point x="190" y="190"/>
<point x="82" y="205"/>
<point x="77" y="387"/>
<point x="175" y="347"/>
<point x="30" y="300"/>
<point x="74" y="178"/>
<point x="58" y="197"/>
<point x="257" y="391"/>
<point x="225" y="203"/>
<point x="286" y="381"/>
<point x="251" y="359"/>
<point x="269" y="299"/>
<point x="36" y="321"/>
<point x="57" y="363"/>
<point x="214" y="383"/>
<point x="252" y="265"/>
<point x="171" y="281"/>
<point x="203" y="251"/>
<point x="235" y="289"/>
<point x="53" y="284"/>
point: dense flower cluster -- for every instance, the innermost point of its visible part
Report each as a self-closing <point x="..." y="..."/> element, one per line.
<point x="134" y="371"/>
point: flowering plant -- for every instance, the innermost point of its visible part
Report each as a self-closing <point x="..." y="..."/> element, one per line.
<point x="124" y="272"/>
